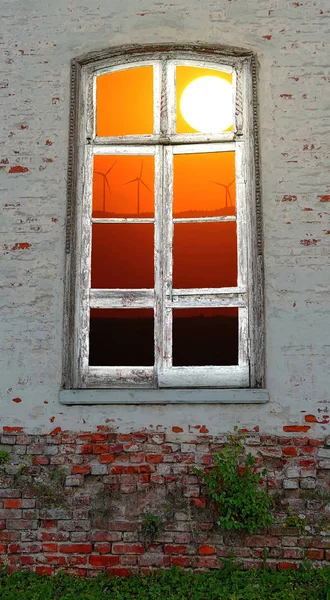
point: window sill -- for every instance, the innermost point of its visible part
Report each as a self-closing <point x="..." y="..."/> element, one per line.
<point x="164" y="396"/>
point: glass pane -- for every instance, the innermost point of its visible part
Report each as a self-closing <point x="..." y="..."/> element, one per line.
<point x="204" y="184"/>
<point x="121" y="337"/>
<point x="124" y="102"/>
<point x="123" y="186"/>
<point x="203" y="100"/>
<point x="204" y="255"/>
<point x="122" y="256"/>
<point x="206" y="336"/>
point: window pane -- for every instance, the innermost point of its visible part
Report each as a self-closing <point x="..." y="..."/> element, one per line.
<point x="124" y="102"/>
<point x="204" y="184"/>
<point x="123" y="186"/>
<point x="207" y="336"/>
<point x="204" y="255"/>
<point x="121" y="337"/>
<point x="122" y="256"/>
<point x="203" y="100"/>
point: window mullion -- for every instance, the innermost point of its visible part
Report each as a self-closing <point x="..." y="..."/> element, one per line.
<point x="167" y="256"/>
<point x="171" y="99"/>
<point x="158" y="261"/>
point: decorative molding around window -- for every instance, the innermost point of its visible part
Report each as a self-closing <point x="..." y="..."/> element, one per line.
<point x="164" y="273"/>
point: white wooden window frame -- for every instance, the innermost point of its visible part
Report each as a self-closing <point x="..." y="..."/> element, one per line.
<point x="163" y="144"/>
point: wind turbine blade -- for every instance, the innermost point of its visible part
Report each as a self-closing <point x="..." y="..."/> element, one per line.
<point x="217" y="183"/>
<point x="109" y="170"/>
<point x="145" y="185"/>
<point x="131" y="181"/>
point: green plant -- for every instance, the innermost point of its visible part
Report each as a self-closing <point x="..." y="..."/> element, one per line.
<point x="152" y="525"/>
<point x="233" y="484"/>
<point x="4" y="457"/>
<point x="49" y="488"/>
<point x="220" y="584"/>
<point x="294" y="520"/>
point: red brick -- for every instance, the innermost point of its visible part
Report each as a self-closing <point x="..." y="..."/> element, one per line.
<point x="99" y="437"/>
<point x="49" y="547"/>
<point x="100" y="448"/>
<point x="105" y="536"/>
<point x="127" y="549"/>
<point x="56" y="560"/>
<point x="87" y="437"/>
<point x="13" y="503"/>
<point x="130" y="470"/>
<point x="146" y="469"/>
<point x="261" y="541"/>
<point x="154" y="458"/>
<point x="2" y="548"/>
<point x="76" y="548"/>
<point x="119" y="572"/>
<point x="102" y="548"/>
<point x="124" y="437"/>
<point x="308" y="450"/>
<point x="311" y="419"/>
<point x="296" y="428"/>
<point x="75" y="560"/>
<point x="307" y="463"/>
<point x="207" y="562"/>
<point x="180" y="561"/>
<point x="206" y="549"/>
<point x="123" y="526"/>
<point x="175" y="549"/>
<point x="117" y="470"/>
<point x="290" y="451"/>
<point x="85" y="449"/>
<point x="285" y="566"/>
<point x="107" y="458"/>
<point x="12" y="429"/>
<point x="80" y="469"/>
<point x="48" y="524"/>
<point x="176" y="429"/>
<point x="44" y="570"/>
<point x="315" y="554"/>
<point x="26" y="560"/>
<point x="116" y="447"/>
<point x="40" y="460"/>
<point x="103" y="561"/>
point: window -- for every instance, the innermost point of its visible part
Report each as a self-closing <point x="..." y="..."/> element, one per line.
<point x="164" y="272"/>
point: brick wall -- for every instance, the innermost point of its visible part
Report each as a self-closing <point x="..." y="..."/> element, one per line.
<point x="77" y="501"/>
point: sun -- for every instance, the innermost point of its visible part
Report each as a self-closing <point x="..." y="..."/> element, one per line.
<point x="206" y="104"/>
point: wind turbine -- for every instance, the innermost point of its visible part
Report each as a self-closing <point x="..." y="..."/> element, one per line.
<point x="228" y="199"/>
<point x="139" y="182"/>
<point x="106" y="182"/>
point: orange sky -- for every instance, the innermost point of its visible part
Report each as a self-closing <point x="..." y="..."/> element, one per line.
<point x="124" y="99"/>
<point x="204" y="254"/>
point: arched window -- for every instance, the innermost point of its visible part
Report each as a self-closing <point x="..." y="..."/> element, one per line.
<point x="164" y="247"/>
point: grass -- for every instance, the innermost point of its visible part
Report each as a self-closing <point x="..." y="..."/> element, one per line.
<point x="223" y="584"/>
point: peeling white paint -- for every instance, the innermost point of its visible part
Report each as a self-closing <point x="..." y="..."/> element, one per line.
<point x="291" y="42"/>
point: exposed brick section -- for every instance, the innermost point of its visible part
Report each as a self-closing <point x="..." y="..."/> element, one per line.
<point x="80" y="536"/>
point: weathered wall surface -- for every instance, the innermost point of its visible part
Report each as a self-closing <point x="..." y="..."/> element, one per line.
<point x="291" y="40"/>
<point x="78" y="502"/>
